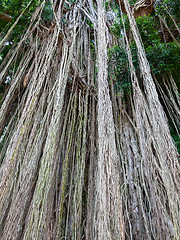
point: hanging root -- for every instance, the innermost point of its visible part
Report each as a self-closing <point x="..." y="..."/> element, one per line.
<point x="77" y="161"/>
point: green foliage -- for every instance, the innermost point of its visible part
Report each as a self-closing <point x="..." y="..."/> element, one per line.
<point x="146" y="25"/>
<point x="89" y="23"/>
<point x="118" y="68"/>
<point x="92" y="46"/>
<point x="166" y="8"/>
<point x="148" y="30"/>
<point x="5" y="51"/>
<point x="173" y="7"/>
<point x="14" y="8"/>
<point x="177" y="141"/>
<point x="47" y="14"/>
<point x="163" y="57"/>
<point x="117" y="28"/>
<point x="106" y="5"/>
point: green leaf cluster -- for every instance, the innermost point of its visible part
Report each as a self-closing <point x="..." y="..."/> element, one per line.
<point x="173" y="7"/>
<point x="118" y="68"/>
<point x="163" y="57"/>
<point x="148" y="28"/>
<point x="14" y="8"/>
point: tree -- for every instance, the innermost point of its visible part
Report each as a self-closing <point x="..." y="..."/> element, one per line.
<point x="85" y="147"/>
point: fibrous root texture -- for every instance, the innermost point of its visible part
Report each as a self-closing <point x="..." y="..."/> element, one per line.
<point x="76" y="160"/>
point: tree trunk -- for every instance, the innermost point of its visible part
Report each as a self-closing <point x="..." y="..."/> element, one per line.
<point x="78" y="161"/>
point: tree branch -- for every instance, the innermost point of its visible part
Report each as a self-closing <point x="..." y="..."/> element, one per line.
<point x="5" y="17"/>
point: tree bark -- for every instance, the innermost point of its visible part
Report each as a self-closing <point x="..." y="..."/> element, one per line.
<point x="5" y="17"/>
